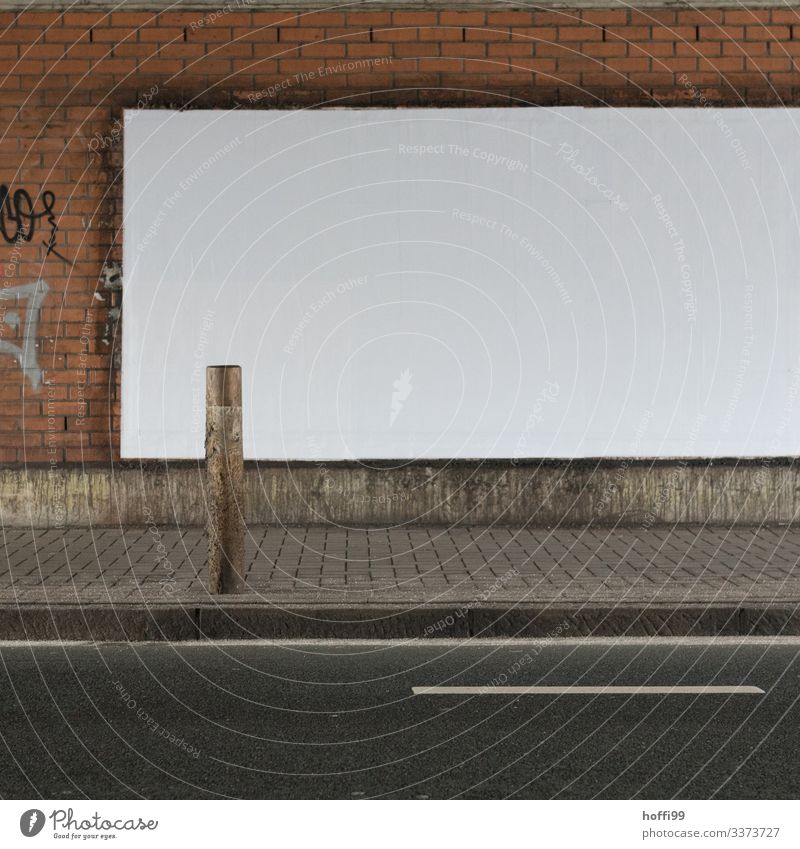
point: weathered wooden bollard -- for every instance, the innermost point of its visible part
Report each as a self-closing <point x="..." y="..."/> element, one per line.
<point x="225" y="473"/>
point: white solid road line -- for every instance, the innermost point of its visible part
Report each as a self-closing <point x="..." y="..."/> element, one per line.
<point x="706" y="690"/>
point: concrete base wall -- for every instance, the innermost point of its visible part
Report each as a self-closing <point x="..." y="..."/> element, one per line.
<point x="544" y="493"/>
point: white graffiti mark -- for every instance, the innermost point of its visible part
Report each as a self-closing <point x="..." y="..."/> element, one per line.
<point x="402" y="387"/>
<point x="26" y="352"/>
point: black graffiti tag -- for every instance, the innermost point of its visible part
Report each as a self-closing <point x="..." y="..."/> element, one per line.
<point x="19" y="217"/>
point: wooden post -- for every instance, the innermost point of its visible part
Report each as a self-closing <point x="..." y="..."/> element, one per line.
<point x="225" y="471"/>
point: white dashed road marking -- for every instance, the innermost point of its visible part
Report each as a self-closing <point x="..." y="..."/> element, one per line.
<point x="677" y="690"/>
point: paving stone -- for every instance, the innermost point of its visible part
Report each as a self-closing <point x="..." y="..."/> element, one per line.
<point x="297" y="564"/>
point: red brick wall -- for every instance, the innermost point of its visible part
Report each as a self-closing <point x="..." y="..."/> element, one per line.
<point x="67" y="77"/>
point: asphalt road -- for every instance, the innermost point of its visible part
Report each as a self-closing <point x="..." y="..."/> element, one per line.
<point x="340" y="721"/>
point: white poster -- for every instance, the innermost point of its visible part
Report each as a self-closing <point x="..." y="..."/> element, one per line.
<point x="465" y="283"/>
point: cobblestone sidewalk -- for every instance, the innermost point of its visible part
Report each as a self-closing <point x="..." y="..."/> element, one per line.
<point x="417" y="565"/>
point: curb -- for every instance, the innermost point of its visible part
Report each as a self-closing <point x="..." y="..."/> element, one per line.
<point x="176" y="623"/>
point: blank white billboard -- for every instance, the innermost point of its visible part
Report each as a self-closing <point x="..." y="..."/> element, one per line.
<point x="465" y="283"/>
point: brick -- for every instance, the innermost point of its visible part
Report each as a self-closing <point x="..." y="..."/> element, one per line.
<point x="627" y="33"/>
<point x="600" y="49"/>
<point x="721" y="65"/>
<point x="84" y="50"/>
<point x="652" y="16"/>
<point x="781" y="80"/>
<point x="790" y="48"/>
<point x="745" y="16"/>
<point x="368" y="80"/>
<point x="347" y="34"/>
<point x="540" y="66"/>
<point x="415" y="49"/>
<point x="556" y="18"/>
<point x="604" y="17"/>
<point x="301" y="34"/>
<point x="773" y="33"/>
<point x="649" y="81"/>
<point x="41" y="455"/>
<point x="38" y="19"/>
<point x="321" y="19"/>
<point x="785" y="16"/>
<point x="85" y="19"/>
<point x="64" y="408"/>
<point x="415" y="19"/>
<point x="88" y="423"/>
<point x="261" y="35"/>
<point x="88" y="455"/>
<point x="626" y="64"/>
<point x="472" y="49"/>
<point x="298" y="66"/>
<point x="534" y="34"/>
<point x="487" y="34"/>
<point x="165" y="35"/>
<point x="508" y="19"/>
<point x="462" y="19"/>
<point x="368" y="19"/>
<point x="361" y="50"/>
<point x="439" y="34"/>
<point x="400" y="34"/>
<point x="700" y="48"/>
<point x="29" y="66"/>
<point x="580" y="33"/>
<point x="67" y="35"/>
<point x="699" y="16"/>
<point x="167" y="19"/>
<point x="40" y="423"/>
<point x="675" y="33"/>
<point x="40" y="51"/>
<point x="113" y="35"/>
<point x="325" y="50"/>
<point x="768" y="64"/>
<point x="577" y="63"/>
<point x="555" y="49"/>
<point x="730" y="33"/>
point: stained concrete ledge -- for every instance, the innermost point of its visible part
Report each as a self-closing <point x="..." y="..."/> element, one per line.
<point x="365" y="5"/>
<point x="174" y="623"/>
<point x="545" y="493"/>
